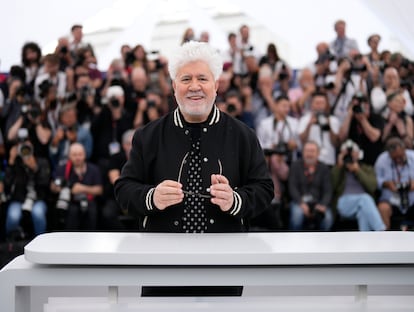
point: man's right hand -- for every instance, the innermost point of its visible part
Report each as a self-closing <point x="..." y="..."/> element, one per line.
<point x="168" y="193"/>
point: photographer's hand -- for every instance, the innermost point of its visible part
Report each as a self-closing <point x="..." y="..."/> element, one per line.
<point x="222" y="192"/>
<point x="306" y="209"/>
<point x="30" y="162"/>
<point x="320" y="207"/>
<point x="12" y="155"/>
<point x="390" y="185"/>
<point x="353" y="167"/>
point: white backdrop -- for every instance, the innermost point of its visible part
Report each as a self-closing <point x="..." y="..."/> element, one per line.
<point x="296" y="25"/>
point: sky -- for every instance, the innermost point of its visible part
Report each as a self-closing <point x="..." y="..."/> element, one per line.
<point x="295" y="26"/>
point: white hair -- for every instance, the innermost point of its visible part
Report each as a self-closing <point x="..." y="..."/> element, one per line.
<point x="196" y="51"/>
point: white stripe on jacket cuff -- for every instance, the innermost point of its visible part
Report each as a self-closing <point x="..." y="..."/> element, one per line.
<point x="148" y="199"/>
<point x="237" y="204"/>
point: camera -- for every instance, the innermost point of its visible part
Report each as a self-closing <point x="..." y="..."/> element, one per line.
<point x="230" y="108"/>
<point x="82" y="199"/>
<point x="64" y="50"/>
<point x="403" y="190"/>
<point x="349" y="147"/>
<point x="151" y="103"/>
<point x="84" y="92"/>
<point x="281" y="148"/>
<point x="316" y="215"/>
<point x="30" y="197"/>
<point x="64" y="194"/>
<point x="44" y="88"/>
<point x="323" y="121"/>
<point x="114" y="102"/>
<point x="25" y="150"/>
<point x="34" y="112"/>
<point x="358" y="99"/>
<point x="356" y="68"/>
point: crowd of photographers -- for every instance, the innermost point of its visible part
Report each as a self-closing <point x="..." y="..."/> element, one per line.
<point x="337" y="135"/>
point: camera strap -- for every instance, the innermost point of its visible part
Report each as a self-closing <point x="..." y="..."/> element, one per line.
<point x="67" y="169"/>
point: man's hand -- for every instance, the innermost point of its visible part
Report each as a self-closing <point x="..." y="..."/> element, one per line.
<point x="222" y="192"/>
<point x="168" y="193"/>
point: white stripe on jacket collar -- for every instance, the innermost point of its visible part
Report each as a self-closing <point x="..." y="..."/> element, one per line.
<point x="215" y="117"/>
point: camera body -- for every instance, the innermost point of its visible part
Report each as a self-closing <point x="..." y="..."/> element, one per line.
<point x="31" y="197"/>
<point x="114" y="102"/>
<point x="84" y="92"/>
<point x="323" y="121"/>
<point x="404" y="190"/>
<point x="44" y="88"/>
<point x="358" y="99"/>
<point x="82" y="200"/>
<point x="316" y="215"/>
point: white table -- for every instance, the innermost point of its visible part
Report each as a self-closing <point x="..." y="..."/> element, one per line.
<point x="361" y="260"/>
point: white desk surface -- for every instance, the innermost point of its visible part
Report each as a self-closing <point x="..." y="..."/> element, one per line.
<point x="307" y="248"/>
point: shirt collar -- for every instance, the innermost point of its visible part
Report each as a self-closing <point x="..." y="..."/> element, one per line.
<point x="213" y="118"/>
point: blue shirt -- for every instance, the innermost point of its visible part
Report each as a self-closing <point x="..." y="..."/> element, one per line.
<point x="387" y="170"/>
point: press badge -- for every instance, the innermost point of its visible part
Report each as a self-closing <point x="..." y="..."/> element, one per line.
<point x="114" y="148"/>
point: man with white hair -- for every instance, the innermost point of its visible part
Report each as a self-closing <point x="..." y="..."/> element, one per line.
<point x="196" y="169"/>
<point x="354" y="185"/>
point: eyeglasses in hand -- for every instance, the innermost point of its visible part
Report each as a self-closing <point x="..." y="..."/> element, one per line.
<point x="190" y="193"/>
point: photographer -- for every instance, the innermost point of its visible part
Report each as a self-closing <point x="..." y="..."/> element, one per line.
<point x="364" y="127"/>
<point x="319" y="126"/>
<point x="279" y="131"/>
<point x="397" y="122"/>
<point x="108" y="127"/>
<point x="111" y="210"/>
<point x="354" y="75"/>
<point x="391" y="84"/>
<point x="26" y="181"/>
<point x="354" y="185"/>
<point x="51" y="76"/>
<point x="86" y="100"/>
<point x="310" y="189"/>
<point x="68" y="131"/>
<point x="395" y="178"/>
<point x="233" y="106"/>
<point x="82" y="183"/>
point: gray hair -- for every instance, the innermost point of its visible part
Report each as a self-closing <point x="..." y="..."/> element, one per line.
<point x="196" y="51"/>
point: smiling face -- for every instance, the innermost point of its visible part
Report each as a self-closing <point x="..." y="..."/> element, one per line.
<point x="195" y="90"/>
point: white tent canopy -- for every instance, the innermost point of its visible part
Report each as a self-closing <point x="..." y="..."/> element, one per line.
<point x="295" y="26"/>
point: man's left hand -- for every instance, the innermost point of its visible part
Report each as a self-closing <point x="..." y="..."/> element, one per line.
<point x="222" y="192"/>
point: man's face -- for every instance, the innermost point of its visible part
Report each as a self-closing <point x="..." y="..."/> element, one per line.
<point x="51" y="68"/>
<point x="195" y="90"/>
<point x="310" y="154"/>
<point x="77" y="155"/>
<point x="283" y="107"/>
<point x="319" y="103"/>
<point x="398" y="156"/>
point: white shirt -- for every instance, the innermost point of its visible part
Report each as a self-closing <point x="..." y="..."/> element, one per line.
<point x="270" y="133"/>
<point x="327" y="153"/>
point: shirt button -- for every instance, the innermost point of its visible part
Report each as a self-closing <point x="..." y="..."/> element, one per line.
<point x="205" y="159"/>
<point x="176" y="223"/>
<point x="204" y="129"/>
<point x="208" y="190"/>
<point x="211" y="221"/>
